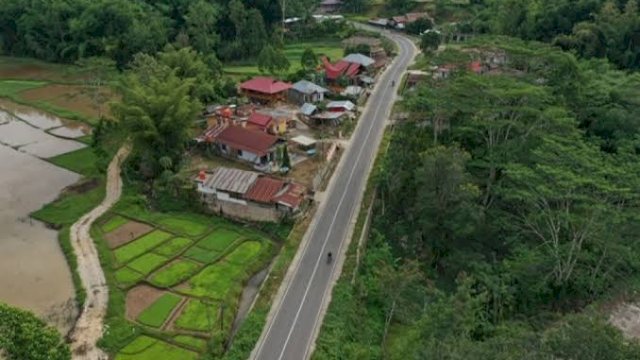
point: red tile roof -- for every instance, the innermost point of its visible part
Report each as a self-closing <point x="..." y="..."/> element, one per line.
<point x="476" y="67"/>
<point x="253" y="141"/>
<point x="264" y="189"/>
<point x="265" y="85"/>
<point x="260" y="119"/>
<point x="334" y="71"/>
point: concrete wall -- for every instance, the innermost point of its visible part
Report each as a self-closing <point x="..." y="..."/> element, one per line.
<point x="250" y="211"/>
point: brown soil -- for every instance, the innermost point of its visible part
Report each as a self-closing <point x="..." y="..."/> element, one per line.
<point x="168" y="324"/>
<point x="29" y="72"/>
<point x="305" y="171"/>
<point x="83" y="186"/>
<point x="126" y="233"/>
<point x="69" y="97"/>
<point x="140" y="298"/>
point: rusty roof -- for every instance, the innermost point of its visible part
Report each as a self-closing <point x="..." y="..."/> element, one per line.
<point x="264" y="189"/>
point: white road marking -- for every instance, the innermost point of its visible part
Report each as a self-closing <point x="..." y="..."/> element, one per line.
<point x="330" y="230"/>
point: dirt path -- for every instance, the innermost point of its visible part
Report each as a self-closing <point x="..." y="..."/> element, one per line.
<point x="88" y="328"/>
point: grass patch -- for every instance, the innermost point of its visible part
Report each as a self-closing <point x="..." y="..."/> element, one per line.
<point x="219" y="240"/>
<point x="217" y="281"/>
<point x="244" y="252"/>
<point x="173" y="246"/>
<point x="146" y="263"/>
<point x="174" y="273"/>
<point x="11" y="88"/>
<point x="191" y="341"/>
<point x="156" y="314"/>
<point x="70" y="207"/>
<point x="126" y="277"/>
<point x="153" y="350"/>
<point x="201" y="255"/>
<point x="198" y="316"/>
<point x="81" y="161"/>
<point x="138" y="247"/>
<point x="293" y="52"/>
<point x="114" y="222"/>
<point x="186" y="224"/>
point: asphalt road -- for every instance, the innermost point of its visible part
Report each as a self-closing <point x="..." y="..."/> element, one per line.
<point x="290" y="332"/>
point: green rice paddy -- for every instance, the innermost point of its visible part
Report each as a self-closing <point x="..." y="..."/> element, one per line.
<point x="156" y="314"/>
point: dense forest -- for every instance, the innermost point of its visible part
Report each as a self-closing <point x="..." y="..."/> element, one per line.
<point x="506" y="211"/>
<point x="68" y="30"/>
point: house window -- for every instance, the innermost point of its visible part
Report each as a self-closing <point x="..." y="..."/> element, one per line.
<point x="239" y="152"/>
<point x="223" y="147"/>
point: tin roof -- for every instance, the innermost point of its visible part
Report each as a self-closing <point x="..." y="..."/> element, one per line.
<point x="231" y="180"/>
<point x="264" y="189"/>
<point x="307" y="87"/>
<point x="359" y="59"/>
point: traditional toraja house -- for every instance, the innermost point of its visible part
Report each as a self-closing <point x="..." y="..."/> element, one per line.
<point x="264" y="89"/>
<point x="249" y="195"/>
<point x="341" y="69"/>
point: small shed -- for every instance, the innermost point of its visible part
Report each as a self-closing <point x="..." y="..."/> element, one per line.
<point x="305" y="143"/>
<point x="305" y="91"/>
<point x="341" y="106"/>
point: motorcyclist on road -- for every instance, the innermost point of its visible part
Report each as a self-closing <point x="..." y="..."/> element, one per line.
<point x="329" y="256"/>
<point x="393" y="83"/>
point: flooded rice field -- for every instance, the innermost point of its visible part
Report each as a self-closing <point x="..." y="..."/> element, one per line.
<point x="33" y="271"/>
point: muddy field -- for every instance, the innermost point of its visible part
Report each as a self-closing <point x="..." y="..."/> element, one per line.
<point x="72" y="97"/>
<point x="126" y="233"/>
<point x="33" y="270"/>
<point x="139" y="298"/>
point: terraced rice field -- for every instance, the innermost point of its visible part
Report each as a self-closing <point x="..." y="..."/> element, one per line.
<point x="195" y="264"/>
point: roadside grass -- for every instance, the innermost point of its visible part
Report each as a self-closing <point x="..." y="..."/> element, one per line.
<point x="218" y="240"/>
<point x="81" y="161"/>
<point x="174" y="273"/>
<point x="141" y="245"/>
<point x="191" y="341"/>
<point x="202" y="255"/>
<point x="159" y="350"/>
<point x="245" y="252"/>
<point x="113" y="223"/>
<point x="198" y="316"/>
<point x="70" y="206"/>
<point x="173" y="247"/>
<point x="146" y="263"/>
<point x="156" y="314"/>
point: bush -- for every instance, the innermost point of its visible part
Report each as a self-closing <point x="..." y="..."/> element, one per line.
<point x="24" y="336"/>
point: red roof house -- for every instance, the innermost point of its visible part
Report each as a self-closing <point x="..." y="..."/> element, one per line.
<point x="264" y="190"/>
<point x="341" y="68"/>
<point x="248" y="145"/>
<point x="262" y="122"/>
<point x="476" y="67"/>
<point x="264" y="89"/>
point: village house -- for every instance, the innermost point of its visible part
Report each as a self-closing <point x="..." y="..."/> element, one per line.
<point x="249" y="195"/>
<point x="352" y="68"/>
<point x="401" y="21"/>
<point x="329" y="6"/>
<point x="376" y="51"/>
<point x="262" y="122"/>
<point x="252" y="146"/>
<point x="263" y="89"/>
<point x="416" y="77"/>
<point x="341" y="106"/>
<point x="305" y="91"/>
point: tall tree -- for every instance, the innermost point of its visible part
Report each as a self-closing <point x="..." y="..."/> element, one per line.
<point x="201" y="20"/>
<point x="157" y="111"/>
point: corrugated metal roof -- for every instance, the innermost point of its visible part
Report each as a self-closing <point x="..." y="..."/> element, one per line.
<point x="264" y="189"/>
<point x="308" y="109"/>
<point x="231" y="180"/>
<point x="359" y="59"/>
<point x="307" y="87"/>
